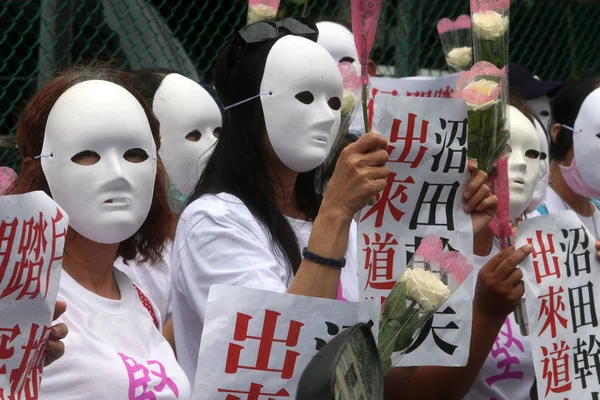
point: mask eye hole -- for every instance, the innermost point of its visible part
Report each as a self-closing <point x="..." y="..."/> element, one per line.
<point x="347" y="59"/>
<point x="86" y="157"/>
<point x="545" y="113"/>
<point x="335" y="103"/>
<point x="532" y="154"/>
<point x="543" y="156"/>
<point x="598" y="135"/>
<point x="193" y="136"/>
<point x="135" y="156"/>
<point x="217" y="132"/>
<point x="305" y="97"/>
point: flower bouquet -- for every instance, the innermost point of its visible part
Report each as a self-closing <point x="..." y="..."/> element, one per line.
<point x="430" y="278"/>
<point x="259" y="10"/>
<point x="456" y="42"/>
<point x="485" y="89"/>
<point x="490" y="23"/>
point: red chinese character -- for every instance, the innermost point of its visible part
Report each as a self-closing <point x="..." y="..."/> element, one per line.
<point x="7" y="336"/>
<point x="55" y="236"/>
<point x="8" y="231"/>
<point x="254" y="393"/>
<point x="444" y="93"/>
<point x="385" y="198"/>
<point x="543" y="251"/>
<point x="556" y="368"/>
<point x="267" y="339"/>
<point x="371" y="104"/>
<point x="27" y="272"/>
<point x="379" y="261"/>
<point x="408" y="140"/>
<point x="26" y="378"/>
<point x="552" y="305"/>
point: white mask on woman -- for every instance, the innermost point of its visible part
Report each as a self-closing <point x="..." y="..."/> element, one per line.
<point x="303" y="111"/>
<point x="586" y="140"/>
<point x="339" y="42"/>
<point x="99" y="159"/>
<point x="523" y="162"/>
<point x="541" y="186"/>
<point x="190" y="122"/>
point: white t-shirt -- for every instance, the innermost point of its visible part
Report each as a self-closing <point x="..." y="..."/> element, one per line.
<point x="219" y="242"/>
<point x="155" y="280"/>
<point x="113" y="350"/>
<point x="507" y="373"/>
<point x="554" y="204"/>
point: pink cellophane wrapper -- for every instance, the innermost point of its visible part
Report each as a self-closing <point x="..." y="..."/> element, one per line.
<point x="7" y="178"/>
<point x="365" y="14"/>
<point x="401" y="322"/>
<point x="482" y="69"/>
<point x="268" y="3"/>
<point x="499" y="6"/>
<point x="351" y="79"/>
<point x="446" y="24"/>
<point x="500" y="225"/>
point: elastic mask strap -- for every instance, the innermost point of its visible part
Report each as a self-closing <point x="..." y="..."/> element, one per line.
<point x="248" y="99"/>
<point x="43" y="155"/>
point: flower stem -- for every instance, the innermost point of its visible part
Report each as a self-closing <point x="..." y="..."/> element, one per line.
<point x="365" y="96"/>
<point x="305" y="9"/>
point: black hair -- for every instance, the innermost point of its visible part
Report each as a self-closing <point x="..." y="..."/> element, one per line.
<point x="565" y="107"/>
<point x="239" y="162"/>
<point x="147" y="81"/>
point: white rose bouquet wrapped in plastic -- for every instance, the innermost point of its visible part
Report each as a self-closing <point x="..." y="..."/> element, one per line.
<point x="427" y="282"/>
<point x="490" y="23"/>
<point x="259" y="10"/>
<point x="456" y="41"/>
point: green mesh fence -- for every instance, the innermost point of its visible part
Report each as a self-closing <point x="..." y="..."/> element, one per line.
<point x="556" y="39"/>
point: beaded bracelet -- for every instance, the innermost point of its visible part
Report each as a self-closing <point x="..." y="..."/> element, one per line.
<point x="330" y="262"/>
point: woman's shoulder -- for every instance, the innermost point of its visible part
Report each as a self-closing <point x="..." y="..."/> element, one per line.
<point x="215" y="206"/>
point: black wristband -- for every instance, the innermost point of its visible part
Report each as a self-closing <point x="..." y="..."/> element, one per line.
<point x="330" y="262"/>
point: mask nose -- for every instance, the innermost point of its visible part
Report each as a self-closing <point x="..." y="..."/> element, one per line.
<point x="115" y="171"/>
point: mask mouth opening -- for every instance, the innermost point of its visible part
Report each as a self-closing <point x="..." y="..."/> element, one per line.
<point x="118" y="202"/>
<point x="520" y="182"/>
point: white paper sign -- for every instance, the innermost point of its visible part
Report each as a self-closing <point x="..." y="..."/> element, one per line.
<point x="32" y="234"/>
<point x="562" y="294"/>
<point x="412" y="86"/>
<point x="424" y="196"/>
<point x="256" y="343"/>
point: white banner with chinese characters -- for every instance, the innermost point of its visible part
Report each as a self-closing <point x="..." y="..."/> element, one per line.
<point x="32" y="235"/>
<point x="257" y="343"/>
<point x="412" y="86"/>
<point x="424" y="196"/>
<point x="562" y="287"/>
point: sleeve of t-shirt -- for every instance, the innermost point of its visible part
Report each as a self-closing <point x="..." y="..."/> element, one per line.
<point x="222" y="248"/>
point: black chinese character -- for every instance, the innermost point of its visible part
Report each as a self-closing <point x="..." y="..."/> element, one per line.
<point x="579" y="261"/>
<point x="443" y="194"/>
<point x="586" y="357"/>
<point x="449" y="147"/>
<point x="430" y="328"/>
<point x="583" y="310"/>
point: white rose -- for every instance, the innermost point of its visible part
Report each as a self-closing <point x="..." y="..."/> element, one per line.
<point x="425" y="288"/>
<point x="460" y="57"/>
<point x="485" y="87"/>
<point x="489" y="25"/>
<point x="349" y="100"/>
<point x="259" y="12"/>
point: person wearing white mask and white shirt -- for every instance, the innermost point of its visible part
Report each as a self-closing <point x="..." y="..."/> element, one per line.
<point x="575" y="154"/>
<point x="91" y="144"/>
<point x="190" y="124"/>
<point x="507" y="373"/>
<point x="271" y="229"/>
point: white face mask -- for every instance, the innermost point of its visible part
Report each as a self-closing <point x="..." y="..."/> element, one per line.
<point x="190" y="121"/>
<point x="339" y="42"/>
<point x="523" y="163"/>
<point x="303" y="112"/>
<point x="100" y="124"/>
<point x="539" y="194"/>
<point x="541" y="109"/>
<point x="586" y="140"/>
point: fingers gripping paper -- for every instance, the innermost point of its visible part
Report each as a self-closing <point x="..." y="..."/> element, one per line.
<point x="423" y="197"/>
<point x="32" y="234"/>
<point x="257" y="343"/>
